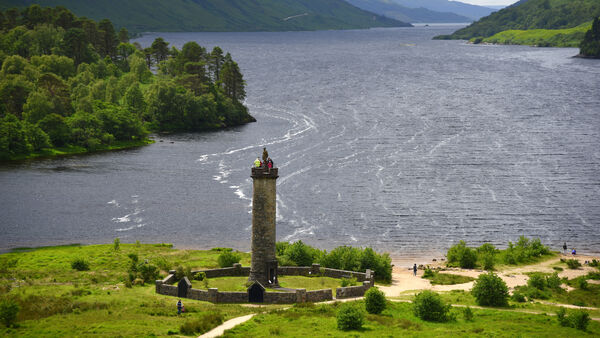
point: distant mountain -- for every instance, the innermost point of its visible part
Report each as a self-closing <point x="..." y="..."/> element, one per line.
<point x="220" y="15"/>
<point x="531" y="14"/>
<point x="398" y="12"/>
<point x="471" y="11"/>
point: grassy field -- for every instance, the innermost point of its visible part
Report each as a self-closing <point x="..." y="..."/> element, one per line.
<point x="570" y="37"/>
<point x="398" y="320"/>
<point x="437" y="278"/>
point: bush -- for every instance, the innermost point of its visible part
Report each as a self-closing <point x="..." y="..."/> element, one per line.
<point x="429" y="306"/>
<point x="461" y="255"/>
<point x="580" y="320"/>
<point x="350" y="317"/>
<point x="487" y="254"/>
<point x="468" y="314"/>
<point x="428" y="273"/>
<point x="206" y="322"/>
<point x="537" y="281"/>
<point x="489" y="289"/>
<point x="573" y="264"/>
<point x="553" y="281"/>
<point x="518" y="297"/>
<point x="80" y="264"/>
<point x="228" y="258"/>
<point x="200" y="276"/>
<point x="8" y="312"/>
<point x="561" y="316"/>
<point x="348" y="282"/>
<point x="375" y="301"/>
<point x="582" y="283"/>
<point x="117" y="244"/>
<point x="299" y="253"/>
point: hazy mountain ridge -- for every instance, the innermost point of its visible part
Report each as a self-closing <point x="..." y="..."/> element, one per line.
<point x="393" y="10"/>
<point x="220" y="15"/>
<point x="531" y="14"/>
<point x="472" y="11"/>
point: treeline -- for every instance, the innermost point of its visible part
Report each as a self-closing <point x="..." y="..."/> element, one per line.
<point x="343" y="257"/>
<point x="532" y="14"/>
<point x="71" y="83"/>
<point x="590" y="46"/>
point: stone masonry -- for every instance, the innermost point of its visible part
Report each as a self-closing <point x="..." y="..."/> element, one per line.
<point x="263" y="268"/>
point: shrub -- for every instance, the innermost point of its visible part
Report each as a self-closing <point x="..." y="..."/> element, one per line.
<point x="429" y="306"/>
<point x="595" y="263"/>
<point x="200" y="276"/>
<point x="573" y="264"/>
<point x="375" y="301"/>
<point x="8" y="312"/>
<point x="580" y="320"/>
<point x="582" y="283"/>
<point x="537" y="281"/>
<point x="428" y="273"/>
<point x="204" y="323"/>
<point x="300" y="253"/>
<point x="117" y="244"/>
<point x="228" y="258"/>
<point x="350" y="317"/>
<point x="518" y="297"/>
<point x="562" y="318"/>
<point x="80" y="264"/>
<point x="461" y="255"/>
<point x="553" y="281"/>
<point x="557" y="268"/>
<point x="148" y="272"/>
<point x="488" y="261"/>
<point x="468" y="314"/>
<point x="348" y="282"/>
<point x="489" y="289"/>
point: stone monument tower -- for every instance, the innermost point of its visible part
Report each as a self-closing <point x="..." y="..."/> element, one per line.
<point x="264" y="263"/>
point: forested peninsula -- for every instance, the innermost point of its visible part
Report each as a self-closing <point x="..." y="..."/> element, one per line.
<point x="544" y="23"/>
<point x="69" y="84"/>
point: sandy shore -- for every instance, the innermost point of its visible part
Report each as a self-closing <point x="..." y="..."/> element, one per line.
<point x="404" y="281"/>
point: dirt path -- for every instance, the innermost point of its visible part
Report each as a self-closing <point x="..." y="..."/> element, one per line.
<point x="403" y="279"/>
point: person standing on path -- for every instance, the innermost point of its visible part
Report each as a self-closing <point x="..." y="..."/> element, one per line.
<point x="179" y="307"/>
<point x="265" y="156"/>
<point x="415" y="269"/>
<point x="565" y="248"/>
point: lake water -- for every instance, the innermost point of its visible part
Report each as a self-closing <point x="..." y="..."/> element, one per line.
<point x="383" y="138"/>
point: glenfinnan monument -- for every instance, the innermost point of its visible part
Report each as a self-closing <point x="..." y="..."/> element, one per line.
<point x="264" y="262"/>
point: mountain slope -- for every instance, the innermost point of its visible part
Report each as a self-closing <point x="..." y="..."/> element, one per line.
<point x="393" y="10"/>
<point x="220" y="15"/>
<point x="532" y="14"/>
<point x="472" y="11"/>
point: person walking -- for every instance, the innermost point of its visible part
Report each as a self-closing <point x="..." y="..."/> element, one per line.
<point x="179" y="306"/>
<point x="415" y="269"/>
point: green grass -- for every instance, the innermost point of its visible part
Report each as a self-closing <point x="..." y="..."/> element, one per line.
<point x="77" y="150"/>
<point x="398" y="320"/>
<point x="570" y="37"/>
<point x="448" y="279"/>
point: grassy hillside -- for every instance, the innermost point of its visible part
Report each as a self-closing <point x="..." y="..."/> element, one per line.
<point x="402" y="13"/>
<point x="570" y="37"/>
<point x="220" y="15"/>
<point x="461" y="8"/>
<point x="532" y="14"/>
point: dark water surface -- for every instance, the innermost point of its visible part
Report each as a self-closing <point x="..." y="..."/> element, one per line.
<point x="383" y="138"/>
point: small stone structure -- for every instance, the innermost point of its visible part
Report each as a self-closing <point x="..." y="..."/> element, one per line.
<point x="252" y="294"/>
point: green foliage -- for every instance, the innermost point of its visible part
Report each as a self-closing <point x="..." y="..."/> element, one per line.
<point x="568" y="37"/>
<point x="204" y="323"/>
<point x="117" y="244"/>
<point x="437" y="278"/>
<point x="524" y="251"/>
<point x="537" y="281"/>
<point x="577" y="319"/>
<point x="461" y="255"/>
<point x="375" y="301"/>
<point x="355" y="259"/>
<point x="487" y="253"/>
<point x="468" y="314"/>
<point x="80" y="264"/>
<point x="429" y="306"/>
<point x="532" y="14"/>
<point x="518" y="297"/>
<point x="300" y="254"/>
<point x="228" y="258"/>
<point x="68" y="82"/>
<point x="8" y="312"/>
<point x="428" y="273"/>
<point x="561" y="316"/>
<point x="573" y="264"/>
<point x="199" y="276"/>
<point x="350" y="317"/>
<point x="347" y="282"/>
<point x="590" y="45"/>
<point x="490" y="290"/>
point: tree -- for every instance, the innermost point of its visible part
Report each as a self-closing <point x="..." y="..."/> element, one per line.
<point x="108" y="39"/>
<point x="123" y="35"/>
<point x="134" y="99"/>
<point x="58" y="91"/>
<point x="461" y="255"/>
<point x="215" y="64"/>
<point x="160" y="49"/>
<point x="56" y="127"/>
<point x="13" y="94"/>
<point x="59" y="65"/>
<point x="300" y="254"/>
<point x="13" y="139"/>
<point x="375" y="301"/>
<point x="232" y="80"/>
<point x="44" y="38"/>
<point x="489" y="289"/>
<point x="590" y="46"/>
<point x="38" y="105"/>
<point x="76" y="46"/>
